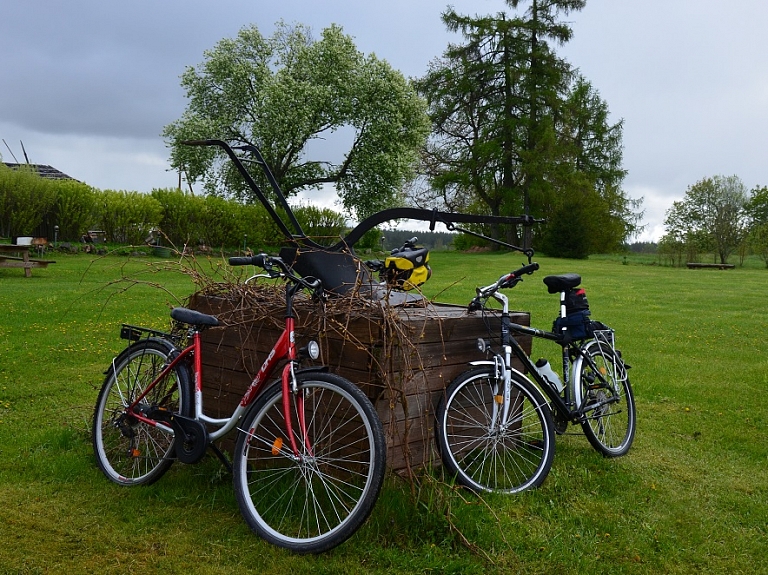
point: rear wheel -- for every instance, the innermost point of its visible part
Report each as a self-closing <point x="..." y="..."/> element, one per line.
<point x="128" y="451"/>
<point x="313" y="500"/>
<point x="606" y="400"/>
<point x="484" y="452"/>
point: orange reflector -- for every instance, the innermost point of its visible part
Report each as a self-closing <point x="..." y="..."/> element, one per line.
<point x="603" y="371"/>
<point x="499" y="399"/>
<point x="135" y="452"/>
<point x="277" y="445"/>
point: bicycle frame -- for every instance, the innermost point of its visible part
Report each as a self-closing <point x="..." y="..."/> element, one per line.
<point x="567" y="405"/>
<point x="284" y="349"/>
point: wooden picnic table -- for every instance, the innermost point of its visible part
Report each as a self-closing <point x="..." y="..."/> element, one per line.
<point x="21" y="259"/>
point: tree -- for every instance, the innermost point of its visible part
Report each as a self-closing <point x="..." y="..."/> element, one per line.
<point x="757" y="221"/>
<point x="516" y="130"/>
<point x="289" y="91"/>
<point x="711" y="216"/>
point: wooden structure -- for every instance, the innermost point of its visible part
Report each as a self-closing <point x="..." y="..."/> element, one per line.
<point x="44" y="171"/>
<point x="21" y="259"/>
<point x="403" y="358"/>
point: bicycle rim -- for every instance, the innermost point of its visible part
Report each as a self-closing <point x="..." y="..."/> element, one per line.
<point x="485" y="453"/>
<point x="609" y="405"/>
<point x="127" y="451"/>
<point x="315" y="501"/>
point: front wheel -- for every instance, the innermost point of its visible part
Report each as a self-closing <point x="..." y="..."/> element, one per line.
<point x="315" y="499"/>
<point x="486" y="452"/>
<point x="128" y="451"/>
<point x="606" y="400"/>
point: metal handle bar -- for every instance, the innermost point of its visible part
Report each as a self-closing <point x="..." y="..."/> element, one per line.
<point x="230" y="151"/>
<point x="268" y="263"/>
<point x="299" y="236"/>
<point x="509" y="280"/>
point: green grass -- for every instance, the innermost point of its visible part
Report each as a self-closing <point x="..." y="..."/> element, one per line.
<point x="689" y="498"/>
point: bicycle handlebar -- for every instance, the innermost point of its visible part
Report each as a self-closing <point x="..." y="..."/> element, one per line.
<point x="509" y="280"/>
<point x="268" y="262"/>
<point x="248" y="261"/>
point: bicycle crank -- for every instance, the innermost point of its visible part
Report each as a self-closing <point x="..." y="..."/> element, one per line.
<point x="191" y="437"/>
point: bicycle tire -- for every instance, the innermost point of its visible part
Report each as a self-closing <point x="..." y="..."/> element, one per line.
<point x="316" y="501"/>
<point x="513" y="460"/>
<point x="610" y="428"/>
<point x="127" y="451"/>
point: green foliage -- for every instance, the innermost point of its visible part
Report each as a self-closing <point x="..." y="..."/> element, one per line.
<point x="516" y="130"/>
<point x="75" y="210"/>
<point x="181" y="219"/>
<point x="711" y="217"/>
<point x="569" y="230"/>
<point x="127" y="217"/>
<point x="25" y="200"/>
<point x="289" y="91"/>
<point x="323" y="225"/>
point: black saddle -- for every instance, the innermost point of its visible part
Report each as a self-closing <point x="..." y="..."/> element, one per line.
<point x="563" y="282"/>
<point x="192" y="317"/>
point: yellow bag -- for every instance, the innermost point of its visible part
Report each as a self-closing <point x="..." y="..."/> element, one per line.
<point x="407" y="269"/>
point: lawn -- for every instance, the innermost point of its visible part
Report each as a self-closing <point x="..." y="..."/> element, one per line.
<point x="690" y="497"/>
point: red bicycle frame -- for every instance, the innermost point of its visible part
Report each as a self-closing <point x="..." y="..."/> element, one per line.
<point x="284" y="349"/>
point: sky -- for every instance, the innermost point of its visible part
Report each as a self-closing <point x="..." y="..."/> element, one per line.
<point x="88" y="85"/>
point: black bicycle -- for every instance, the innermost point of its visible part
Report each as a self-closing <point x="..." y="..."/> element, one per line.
<point x="495" y="428"/>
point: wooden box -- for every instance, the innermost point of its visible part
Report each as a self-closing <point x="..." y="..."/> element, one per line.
<point x="402" y="357"/>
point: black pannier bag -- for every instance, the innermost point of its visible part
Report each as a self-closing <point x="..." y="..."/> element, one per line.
<point x="576" y="321"/>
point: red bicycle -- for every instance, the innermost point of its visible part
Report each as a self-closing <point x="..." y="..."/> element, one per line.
<point x="310" y="453"/>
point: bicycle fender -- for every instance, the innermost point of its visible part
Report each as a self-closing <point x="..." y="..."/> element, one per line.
<point x="313" y="368"/>
<point x="541" y="399"/>
<point x="493" y="363"/>
<point x="164" y="342"/>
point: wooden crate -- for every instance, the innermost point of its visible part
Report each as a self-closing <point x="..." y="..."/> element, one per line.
<point x="403" y="359"/>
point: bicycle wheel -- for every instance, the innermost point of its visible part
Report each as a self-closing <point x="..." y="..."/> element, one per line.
<point x="314" y="500"/>
<point x="485" y="453"/>
<point x="608" y="404"/>
<point x="127" y="451"/>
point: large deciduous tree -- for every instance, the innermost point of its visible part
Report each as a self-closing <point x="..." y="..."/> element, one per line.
<point x="285" y="92"/>
<point x="517" y="130"/>
<point x="711" y="216"/>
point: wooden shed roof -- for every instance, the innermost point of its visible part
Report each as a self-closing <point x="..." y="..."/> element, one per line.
<point x="47" y="172"/>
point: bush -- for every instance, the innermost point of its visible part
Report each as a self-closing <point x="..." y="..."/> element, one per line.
<point x="181" y="216"/>
<point x="128" y="217"/>
<point x="25" y="201"/>
<point x="75" y="210"/>
<point x="323" y="225"/>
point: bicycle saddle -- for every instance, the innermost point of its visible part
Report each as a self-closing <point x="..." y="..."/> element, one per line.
<point x="192" y="317"/>
<point x="562" y="282"/>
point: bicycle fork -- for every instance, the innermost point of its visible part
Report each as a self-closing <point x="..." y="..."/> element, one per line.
<point x="291" y="389"/>
<point x="501" y="397"/>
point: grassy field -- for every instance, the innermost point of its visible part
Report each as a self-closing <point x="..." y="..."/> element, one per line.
<point x="691" y="497"/>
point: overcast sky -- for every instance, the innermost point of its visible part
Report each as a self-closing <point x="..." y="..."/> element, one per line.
<point x="89" y="85"/>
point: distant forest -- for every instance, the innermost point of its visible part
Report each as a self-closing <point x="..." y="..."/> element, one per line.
<point x="444" y="241"/>
<point x="432" y="240"/>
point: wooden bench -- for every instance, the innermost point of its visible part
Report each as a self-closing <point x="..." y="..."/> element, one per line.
<point x="697" y="265"/>
<point x="22" y="261"/>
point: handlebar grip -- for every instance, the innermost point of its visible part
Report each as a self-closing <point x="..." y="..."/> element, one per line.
<point x="513" y="278"/>
<point x="248" y="261"/>
<point x="529" y="269"/>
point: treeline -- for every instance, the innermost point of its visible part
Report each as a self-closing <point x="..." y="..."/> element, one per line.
<point x="67" y="209"/>
<point x="433" y="240"/>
